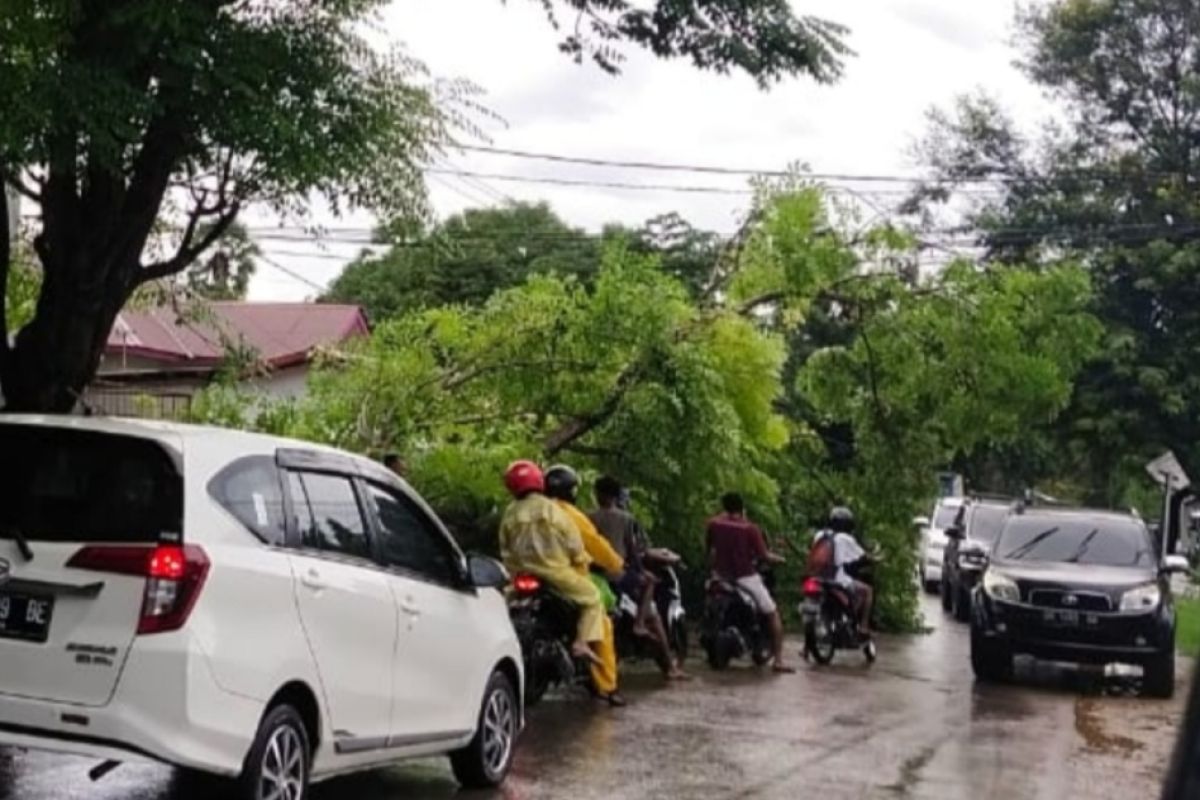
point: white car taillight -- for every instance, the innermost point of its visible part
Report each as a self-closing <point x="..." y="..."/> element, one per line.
<point x="174" y="576"/>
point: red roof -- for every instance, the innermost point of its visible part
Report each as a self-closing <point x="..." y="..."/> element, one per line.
<point x="282" y="334"/>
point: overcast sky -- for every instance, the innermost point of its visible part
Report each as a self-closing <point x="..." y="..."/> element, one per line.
<point x="910" y="55"/>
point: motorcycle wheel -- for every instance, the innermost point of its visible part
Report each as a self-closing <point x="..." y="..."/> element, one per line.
<point x="720" y="652"/>
<point x="821" y="647"/>
<point x="870" y="652"/>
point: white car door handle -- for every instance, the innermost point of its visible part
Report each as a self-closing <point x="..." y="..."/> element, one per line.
<point x="312" y="579"/>
<point x="408" y="606"/>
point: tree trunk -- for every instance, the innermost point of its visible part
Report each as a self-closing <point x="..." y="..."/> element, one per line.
<point x="55" y="356"/>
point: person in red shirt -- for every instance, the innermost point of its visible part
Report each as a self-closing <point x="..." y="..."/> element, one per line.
<point x="735" y="548"/>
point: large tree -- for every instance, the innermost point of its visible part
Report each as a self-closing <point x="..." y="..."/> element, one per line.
<point x="1114" y="183"/>
<point x="120" y="113"/>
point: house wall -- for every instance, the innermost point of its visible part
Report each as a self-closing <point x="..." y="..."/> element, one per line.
<point x="283" y="384"/>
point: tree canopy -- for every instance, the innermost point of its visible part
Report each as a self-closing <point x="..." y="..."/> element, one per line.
<point x="1114" y="186"/>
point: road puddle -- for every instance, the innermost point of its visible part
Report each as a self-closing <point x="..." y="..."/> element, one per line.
<point x="1090" y="726"/>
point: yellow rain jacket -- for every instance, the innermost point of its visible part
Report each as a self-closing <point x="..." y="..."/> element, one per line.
<point x="602" y="554"/>
<point x="538" y="537"/>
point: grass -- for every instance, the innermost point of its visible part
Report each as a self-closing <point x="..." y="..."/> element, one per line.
<point x="1187" y="625"/>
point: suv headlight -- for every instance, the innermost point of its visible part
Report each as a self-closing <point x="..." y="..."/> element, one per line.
<point x="1001" y="587"/>
<point x="1143" y="598"/>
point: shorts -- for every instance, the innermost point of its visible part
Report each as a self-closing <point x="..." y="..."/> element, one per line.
<point x="753" y="585"/>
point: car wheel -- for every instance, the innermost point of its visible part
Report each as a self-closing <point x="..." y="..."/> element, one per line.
<point x="277" y="766"/>
<point x="485" y="762"/>
<point x="947" y="601"/>
<point x="962" y="605"/>
<point x="1158" y="675"/>
<point x="992" y="662"/>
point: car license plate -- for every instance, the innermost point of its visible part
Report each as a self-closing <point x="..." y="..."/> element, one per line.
<point x="25" y="617"/>
<point x="1063" y="618"/>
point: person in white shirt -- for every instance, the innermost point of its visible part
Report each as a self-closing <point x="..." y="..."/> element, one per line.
<point x="846" y="552"/>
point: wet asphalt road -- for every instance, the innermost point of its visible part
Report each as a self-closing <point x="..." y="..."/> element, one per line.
<point x="912" y="726"/>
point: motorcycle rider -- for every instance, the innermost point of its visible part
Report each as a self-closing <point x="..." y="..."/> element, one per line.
<point x="562" y="485"/>
<point x="537" y="536"/>
<point x="839" y="532"/>
<point x="628" y="538"/>
<point x="735" y="546"/>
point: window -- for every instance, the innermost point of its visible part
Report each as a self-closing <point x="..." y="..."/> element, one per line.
<point x="986" y="522"/>
<point x="327" y="514"/>
<point x="945" y="516"/>
<point x="249" y="490"/>
<point x="410" y="539"/>
<point x="80" y="486"/>
<point x="1104" y="541"/>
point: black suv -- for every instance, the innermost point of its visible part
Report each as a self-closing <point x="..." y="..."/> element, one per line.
<point x="1080" y="586"/>
<point x="968" y="541"/>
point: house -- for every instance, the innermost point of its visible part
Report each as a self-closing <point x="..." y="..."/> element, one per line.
<point x="157" y="359"/>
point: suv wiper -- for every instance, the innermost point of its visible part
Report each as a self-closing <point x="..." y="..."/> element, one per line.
<point x="1028" y="547"/>
<point x="1083" y="546"/>
<point x="22" y="542"/>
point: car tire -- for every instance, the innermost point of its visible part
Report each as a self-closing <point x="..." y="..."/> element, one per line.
<point x="992" y="662"/>
<point x="947" y="600"/>
<point x="962" y="605"/>
<point x="280" y="756"/>
<point x="1158" y="675"/>
<point x="485" y="762"/>
<point x="932" y="587"/>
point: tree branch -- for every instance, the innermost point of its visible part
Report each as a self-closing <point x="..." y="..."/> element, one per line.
<point x="577" y="427"/>
<point x="187" y="251"/>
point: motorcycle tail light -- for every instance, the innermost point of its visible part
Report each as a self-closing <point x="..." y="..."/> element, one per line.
<point x="812" y="587"/>
<point x="527" y="584"/>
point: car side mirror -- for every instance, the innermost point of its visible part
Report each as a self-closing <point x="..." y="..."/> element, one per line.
<point x="954" y="532"/>
<point x="921" y="522"/>
<point x="486" y="573"/>
<point x="1174" y="564"/>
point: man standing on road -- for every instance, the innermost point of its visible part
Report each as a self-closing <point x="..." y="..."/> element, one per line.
<point x="735" y="546"/>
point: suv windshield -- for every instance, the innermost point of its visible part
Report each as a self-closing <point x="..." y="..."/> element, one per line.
<point x="82" y="486"/>
<point x="1099" y="541"/>
<point x="986" y="522"/>
<point x="944" y="516"/>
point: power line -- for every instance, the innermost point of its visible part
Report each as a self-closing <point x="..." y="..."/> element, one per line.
<point x="292" y="273"/>
<point x="645" y="187"/>
<point x="1106" y="175"/>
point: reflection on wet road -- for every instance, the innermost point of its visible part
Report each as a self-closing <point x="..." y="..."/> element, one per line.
<point x="913" y="726"/>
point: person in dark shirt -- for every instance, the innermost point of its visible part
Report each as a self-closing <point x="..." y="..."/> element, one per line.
<point x="735" y="548"/>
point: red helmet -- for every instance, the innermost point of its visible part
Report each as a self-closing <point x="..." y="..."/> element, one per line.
<point x="523" y="477"/>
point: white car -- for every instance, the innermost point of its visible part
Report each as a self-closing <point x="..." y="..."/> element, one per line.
<point x="259" y="608"/>
<point x="933" y="540"/>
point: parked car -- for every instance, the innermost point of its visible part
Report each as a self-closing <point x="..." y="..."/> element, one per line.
<point x="244" y="605"/>
<point x="933" y="541"/>
<point x="969" y="539"/>
<point x="1080" y="586"/>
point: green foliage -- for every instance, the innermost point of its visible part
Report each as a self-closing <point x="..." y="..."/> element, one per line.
<point x="20" y="298"/>
<point x="764" y="38"/>
<point x="1187" y="631"/>
<point x="466" y="259"/>
<point x="1113" y="186"/>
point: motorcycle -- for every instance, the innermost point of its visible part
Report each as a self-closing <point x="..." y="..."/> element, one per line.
<point x="830" y="623"/>
<point x="545" y="624"/>
<point x="668" y="601"/>
<point x="733" y="627"/>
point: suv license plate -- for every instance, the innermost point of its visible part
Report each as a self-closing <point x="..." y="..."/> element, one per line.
<point x="1063" y="618"/>
<point x="25" y="617"/>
